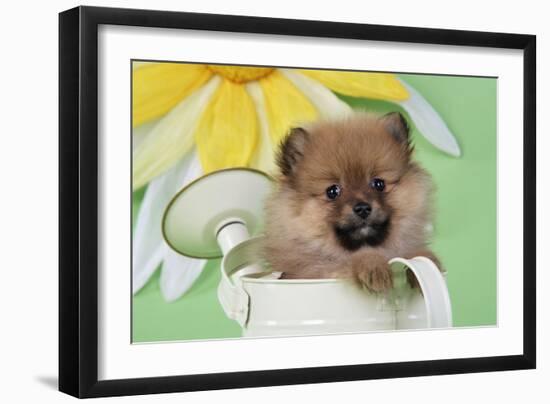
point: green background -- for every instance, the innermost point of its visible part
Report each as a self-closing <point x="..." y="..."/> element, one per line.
<point x="465" y="226"/>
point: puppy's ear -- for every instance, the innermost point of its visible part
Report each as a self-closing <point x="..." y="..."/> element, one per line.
<point x="292" y="150"/>
<point x="397" y="126"/>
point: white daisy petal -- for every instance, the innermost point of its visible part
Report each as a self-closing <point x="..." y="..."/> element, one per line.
<point x="141" y="132"/>
<point x="429" y="123"/>
<point x="148" y="245"/>
<point x="178" y="274"/>
<point x="263" y="158"/>
<point x="324" y="100"/>
<point x="172" y="137"/>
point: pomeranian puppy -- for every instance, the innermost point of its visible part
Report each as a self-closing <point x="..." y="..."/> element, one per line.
<point x="348" y="198"/>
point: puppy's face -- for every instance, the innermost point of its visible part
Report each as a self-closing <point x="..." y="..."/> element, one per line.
<point x="347" y="179"/>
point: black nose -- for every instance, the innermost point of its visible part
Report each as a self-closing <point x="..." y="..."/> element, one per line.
<point x="362" y="209"/>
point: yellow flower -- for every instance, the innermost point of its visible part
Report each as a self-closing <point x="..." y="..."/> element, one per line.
<point x="190" y="119"/>
<point x="222" y="110"/>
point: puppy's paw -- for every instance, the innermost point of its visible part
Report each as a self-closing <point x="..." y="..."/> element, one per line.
<point x="374" y="275"/>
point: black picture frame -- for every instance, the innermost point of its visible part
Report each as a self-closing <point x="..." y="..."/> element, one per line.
<point x="78" y="201"/>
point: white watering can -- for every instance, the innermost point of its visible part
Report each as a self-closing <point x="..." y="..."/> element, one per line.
<point x="216" y="215"/>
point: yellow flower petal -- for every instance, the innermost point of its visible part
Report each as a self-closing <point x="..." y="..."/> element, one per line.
<point x="286" y="107"/>
<point x="138" y="65"/>
<point x="158" y="87"/>
<point x="384" y="86"/>
<point x="172" y="136"/>
<point x="228" y="131"/>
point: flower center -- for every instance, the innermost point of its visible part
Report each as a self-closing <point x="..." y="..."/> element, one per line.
<point x="241" y="74"/>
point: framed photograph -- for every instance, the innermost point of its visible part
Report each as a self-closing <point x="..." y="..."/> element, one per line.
<point x="250" y="201"/>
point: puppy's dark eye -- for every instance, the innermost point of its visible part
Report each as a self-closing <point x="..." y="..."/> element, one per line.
<point x="334" y="191"/>
<point x="378" y="184"/>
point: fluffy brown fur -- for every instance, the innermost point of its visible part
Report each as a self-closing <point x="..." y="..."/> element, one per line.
<point x="310" y="235"/>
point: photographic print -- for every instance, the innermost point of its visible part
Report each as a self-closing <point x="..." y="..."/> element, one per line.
<point x="272" y="201"/>
<point x="358" y="197"/>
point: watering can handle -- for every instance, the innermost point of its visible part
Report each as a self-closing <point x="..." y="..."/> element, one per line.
<point x="233" y="298"/>
<point x="434" y="289"/>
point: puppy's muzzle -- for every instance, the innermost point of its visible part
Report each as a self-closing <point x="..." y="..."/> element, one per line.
<point x="362" y="209"/>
